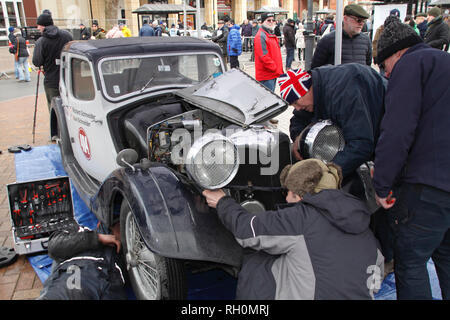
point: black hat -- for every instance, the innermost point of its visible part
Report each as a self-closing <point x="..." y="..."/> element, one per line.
<point x="45" y="20"/>
<point x="265" y="15"/>
<point x="95" y="23"/>
<point x="356" y="10"/>
<point x="421" y="14"/>
<point x="290" y="21"/>
<point x="395" y="37"/>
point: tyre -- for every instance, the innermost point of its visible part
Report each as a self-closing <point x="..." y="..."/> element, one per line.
<point x="153" y="277"/>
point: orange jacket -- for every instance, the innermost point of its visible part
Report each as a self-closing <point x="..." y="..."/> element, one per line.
<point x="268" y="61"/>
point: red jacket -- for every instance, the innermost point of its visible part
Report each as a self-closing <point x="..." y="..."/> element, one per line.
<point x="268" y="62"/>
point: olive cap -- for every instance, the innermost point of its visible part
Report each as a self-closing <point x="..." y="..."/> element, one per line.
<point x="356" y="10"/>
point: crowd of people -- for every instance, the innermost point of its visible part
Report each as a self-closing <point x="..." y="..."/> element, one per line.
<point x="396" y="115"/>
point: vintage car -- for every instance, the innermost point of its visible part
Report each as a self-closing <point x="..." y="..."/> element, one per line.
<point x="144" y="125"/>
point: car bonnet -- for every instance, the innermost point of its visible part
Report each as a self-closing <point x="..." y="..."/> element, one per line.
<point x="235" y="96"/>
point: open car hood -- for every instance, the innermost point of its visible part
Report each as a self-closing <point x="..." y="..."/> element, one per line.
<point x="236" y="97"/>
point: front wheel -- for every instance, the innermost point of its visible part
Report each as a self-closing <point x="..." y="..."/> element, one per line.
<point x="152" y="276"/>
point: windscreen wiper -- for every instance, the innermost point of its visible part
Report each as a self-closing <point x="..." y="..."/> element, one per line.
<point x="146" y="85"/>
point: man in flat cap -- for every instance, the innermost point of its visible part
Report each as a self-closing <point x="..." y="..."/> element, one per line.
<point x="47" y="53"/>
<point x="356" y="46"/>
<point x="413" y="153"/>
<point x="437" y="34"/>
<point x="318" y="247"/>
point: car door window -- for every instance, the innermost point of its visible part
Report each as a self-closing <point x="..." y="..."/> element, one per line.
<point x="82" y="84"/>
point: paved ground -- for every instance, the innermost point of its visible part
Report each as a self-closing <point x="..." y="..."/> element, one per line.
<point x="19" y="281"/>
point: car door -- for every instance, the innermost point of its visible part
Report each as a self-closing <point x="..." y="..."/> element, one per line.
<point x="86" y="121"/>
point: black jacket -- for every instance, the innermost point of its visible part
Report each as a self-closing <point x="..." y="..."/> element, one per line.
<point x="221" y="39"/>
<point x="319" y="248"/>
<point x="48" y="50"/>
<point x="85" y="34"/>
<point x="100" y="274"/>
<point x="352" y="97"/>
<point x="22" y="44"/>
<point x="437" y="35"/>
<point x="422" y="28"/>
<point x="357" y="49"/>
<point x="289" y="36"/>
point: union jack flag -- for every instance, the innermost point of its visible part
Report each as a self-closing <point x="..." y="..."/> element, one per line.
<point x="294" y="84"/>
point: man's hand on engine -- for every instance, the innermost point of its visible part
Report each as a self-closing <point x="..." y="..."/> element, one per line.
<point x="295" y="149"/>
<point x="213" y="197"/>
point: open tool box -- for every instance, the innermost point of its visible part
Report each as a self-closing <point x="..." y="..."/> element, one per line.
<point x="37" y="209"/>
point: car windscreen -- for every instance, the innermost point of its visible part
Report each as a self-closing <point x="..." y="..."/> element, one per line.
<point x="129" y="76"/>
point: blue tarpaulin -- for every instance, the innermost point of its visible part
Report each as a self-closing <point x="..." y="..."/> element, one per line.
<point x="45" y="162"/>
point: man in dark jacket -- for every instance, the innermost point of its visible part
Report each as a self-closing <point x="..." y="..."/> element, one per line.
<point x="352" y="97"/>
<point x="356" y="46"/>
<point x="246" y="33"/>
<point x="437" y="35"/>
<point x="422" y="23"/>
<point x="220" y="36"/>
<point x="329" y="22"/>
<point x="318" y="247"/>
<point x="86" y="266"/>
<point x="414" y="150"/>
<point x="21" y="54"/>
<point x="85" y="33"/>
<point x="146" y="30"/>
<point x="289" y="42"/>
<point x="47" y="53"/>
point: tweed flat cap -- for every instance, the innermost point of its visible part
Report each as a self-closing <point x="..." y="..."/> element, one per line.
<point x="356" y="10"/>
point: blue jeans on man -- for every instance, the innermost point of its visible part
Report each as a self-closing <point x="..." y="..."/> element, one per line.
<point x="421" y="220"/>
<point x="289" y="56"/>
<point x="269" y="84"/>
<point x="23" y="69"/>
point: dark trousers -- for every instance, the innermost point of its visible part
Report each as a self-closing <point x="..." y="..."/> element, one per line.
<point x="300" y="52"/>
<point x="234" y="62"/>
<point x="247" y="44"/>
<point x="421" y="221"/>
<point x="382" y="230"/>
<point x="289" y="57"/>
<point x="50" y="93"/>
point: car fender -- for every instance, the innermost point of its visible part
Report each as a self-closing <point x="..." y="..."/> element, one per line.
<point x="172" y="216"/>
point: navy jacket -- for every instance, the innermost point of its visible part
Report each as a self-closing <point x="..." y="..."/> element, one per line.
<point x="319" y="248"/>
<point x="415" y="131"/>
<point x="356" y="49"/>
<point x="351" y="96"/>
<point x="146" y="31"/>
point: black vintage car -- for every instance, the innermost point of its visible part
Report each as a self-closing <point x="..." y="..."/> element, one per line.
<point x="144" y="125"/>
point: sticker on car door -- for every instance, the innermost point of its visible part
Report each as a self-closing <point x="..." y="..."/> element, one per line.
<point x="84" y="143"/>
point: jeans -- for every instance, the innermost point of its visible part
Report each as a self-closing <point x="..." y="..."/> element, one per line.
<point x="247" y="44"/>
<point x="421" y="221"/>
<point x="16" y="68"/>
<point x="269" y="84"/>
<point x="23" y="67"/>
<point x="289" y="57"/>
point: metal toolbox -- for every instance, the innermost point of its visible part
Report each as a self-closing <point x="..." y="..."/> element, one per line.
<point x="38" y="208"/>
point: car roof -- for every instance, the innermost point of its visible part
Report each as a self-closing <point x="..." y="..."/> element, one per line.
<point x="97" y="49"/>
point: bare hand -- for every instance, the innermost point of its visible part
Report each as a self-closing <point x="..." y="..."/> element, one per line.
<point x="295" y="149"/>
<point x="387" y="202"/>
<point x="213" y="197"/>
<point x="109" y="240"/>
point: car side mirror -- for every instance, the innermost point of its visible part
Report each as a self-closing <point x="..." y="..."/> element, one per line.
<point x="126" y="158"/>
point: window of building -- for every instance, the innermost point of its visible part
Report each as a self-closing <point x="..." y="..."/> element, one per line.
<point x="21" y="14"/>
<point x="11" y="14"/>
<point x="2" y="18"/>
<point x="82" y="84"/>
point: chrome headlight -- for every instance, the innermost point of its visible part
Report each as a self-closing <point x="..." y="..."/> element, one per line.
<point x="321" y="140"/>
<point x="212" y="161"/>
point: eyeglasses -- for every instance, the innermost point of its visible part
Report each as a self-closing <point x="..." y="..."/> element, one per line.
<point x="270" y="20"/>
<point x="358" y="20"/>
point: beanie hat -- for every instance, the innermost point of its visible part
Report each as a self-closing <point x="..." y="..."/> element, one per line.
<point x="11" y="29"/>
<point x="435" y="12"/>
<point x="311" y="176"/>
<point x="44" y="20"/>
<point x="266" y="15"/>
<point x="294" y="84"/>
<point x="395" y="12"/>
<point x="395" y="37"/>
